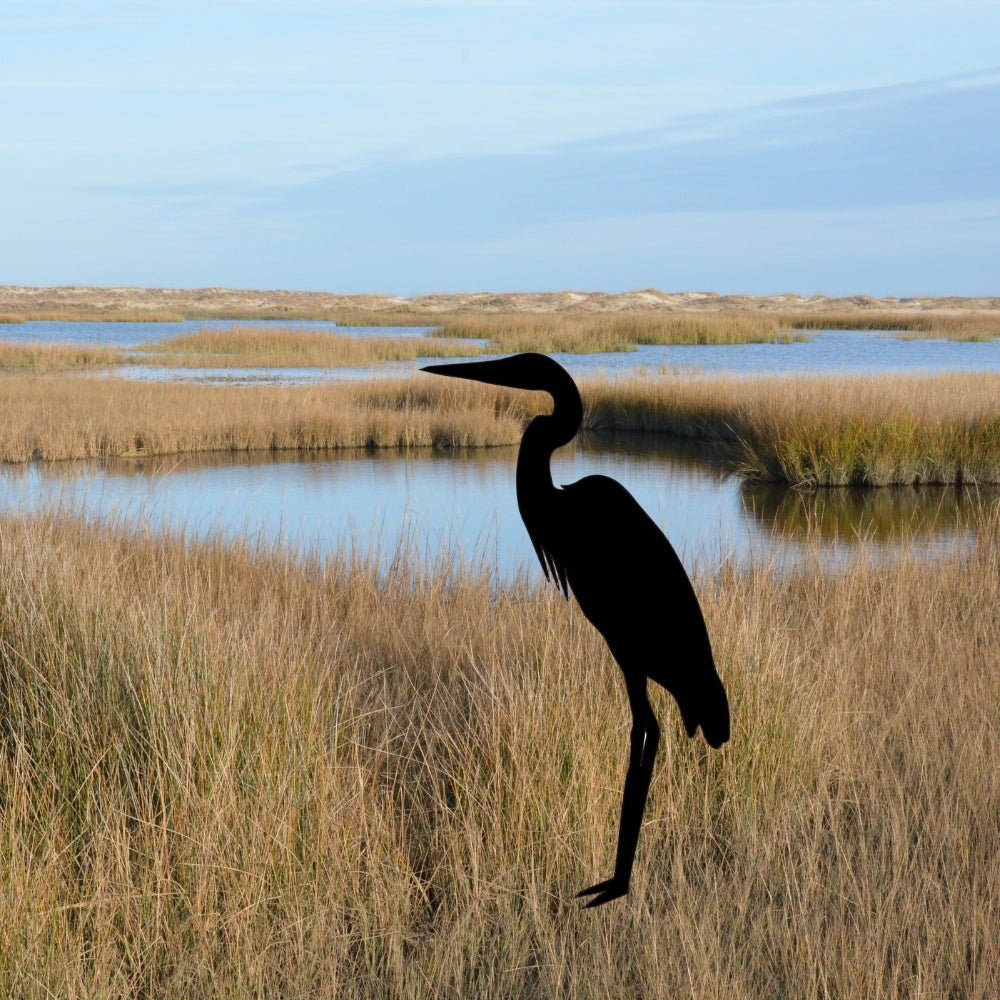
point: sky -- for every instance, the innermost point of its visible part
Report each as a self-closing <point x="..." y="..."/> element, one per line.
<point x="418" y="146"/>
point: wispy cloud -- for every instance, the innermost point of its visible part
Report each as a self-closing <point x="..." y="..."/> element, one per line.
<point x="927" y="142"/>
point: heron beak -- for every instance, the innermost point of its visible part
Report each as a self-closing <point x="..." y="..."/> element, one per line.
<point x="504" y="371"/>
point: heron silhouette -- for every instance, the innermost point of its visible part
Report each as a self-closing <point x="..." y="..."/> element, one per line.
<point x="595" y="541"/>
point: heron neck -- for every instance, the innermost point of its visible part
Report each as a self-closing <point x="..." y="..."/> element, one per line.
<point x="541" y="438"/>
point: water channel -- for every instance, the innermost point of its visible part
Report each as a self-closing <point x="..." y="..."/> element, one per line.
<point x="464" y="501"/>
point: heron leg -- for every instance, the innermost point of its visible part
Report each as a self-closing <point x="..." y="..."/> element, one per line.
<point x="644" y="740"/>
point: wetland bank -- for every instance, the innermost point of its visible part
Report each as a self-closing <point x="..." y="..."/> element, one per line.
<point x="231" y="767"/>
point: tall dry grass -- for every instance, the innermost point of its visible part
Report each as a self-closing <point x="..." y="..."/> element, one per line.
<point x="969" y="325"/>
<point x="804" y="430"/>
<point x="824" y="430"/>
<point x="54" y="418"/>
<point x="88" y="315"/>
<point x="582" y="333"/>
<point x="229" y="773"/>
<point x="36" y="356"/>
<point x="242" y="347"/>
<point x="289" y="347"/>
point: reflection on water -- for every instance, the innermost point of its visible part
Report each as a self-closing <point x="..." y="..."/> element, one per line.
<point x="465" y="501"/>
<point x="883" y="515"/>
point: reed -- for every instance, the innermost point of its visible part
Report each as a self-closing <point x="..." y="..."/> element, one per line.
<point x="582" y="333"/>
<point x="228" y="772"/>
<point x="616" y="331"/>
<point x="54" y="418"/>
<point x="968" y="325"/>
<point x="41" y="357"/>
<point x="803" y="430"/>
<point x="823" y="430"/>
<point x="113" y="315"/>
<point x="287" y="347"/>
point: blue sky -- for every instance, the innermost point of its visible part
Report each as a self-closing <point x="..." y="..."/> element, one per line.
<point x="407" y="147"/>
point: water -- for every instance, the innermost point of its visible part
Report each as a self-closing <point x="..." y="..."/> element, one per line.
<point x="136" y="334"/>
<point x="464" y="502"/>
<point x="830" y="351"/>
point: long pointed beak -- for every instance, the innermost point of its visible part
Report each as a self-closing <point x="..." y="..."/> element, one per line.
<point x="499" y="372"/>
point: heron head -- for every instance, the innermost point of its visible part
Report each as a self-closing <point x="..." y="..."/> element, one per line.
<point x="519" y="371"/>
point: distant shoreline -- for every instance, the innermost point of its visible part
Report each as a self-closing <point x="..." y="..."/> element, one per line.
<point x="116" y="303"/>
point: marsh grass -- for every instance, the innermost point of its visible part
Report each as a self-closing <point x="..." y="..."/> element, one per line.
<point x="447" y="335"/>
<point x="236" y="347"/>
<point x="35" y="356"/>
<point x="588" y="333"/>
<point x="591" y="332"/>
<point x="803" y="430"/>
<point x="286" y="347"/>
<point x="228" y="772"/>
<point x="969" y="326"/>
<point x="86" y="315"/>
<point x="64" y="417"/>
<point x="823" y="430"/>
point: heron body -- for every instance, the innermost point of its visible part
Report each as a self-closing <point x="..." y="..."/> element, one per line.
<point x="595" y="541"/>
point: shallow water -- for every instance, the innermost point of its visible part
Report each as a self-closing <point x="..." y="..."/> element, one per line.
<point x="135" y="334"/>
<point x="846" y="351"/>
<point x="826" y="351"/>
<point x="464" y="502"/>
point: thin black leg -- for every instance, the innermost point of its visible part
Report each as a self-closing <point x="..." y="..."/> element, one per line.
<point x="645" y="738"/>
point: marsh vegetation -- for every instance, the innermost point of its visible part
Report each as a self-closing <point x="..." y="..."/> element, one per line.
<point x="803" y="430"/>
<point x="235" y="347"/>
<point x="231" y="772"/>
<point x="229" y="769"/>
<point x="447" y="335"/>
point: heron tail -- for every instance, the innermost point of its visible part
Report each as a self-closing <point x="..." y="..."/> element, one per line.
<point x="708" y="708"/>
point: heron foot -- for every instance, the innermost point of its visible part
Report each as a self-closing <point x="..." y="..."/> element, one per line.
<point x="604" y="892"/>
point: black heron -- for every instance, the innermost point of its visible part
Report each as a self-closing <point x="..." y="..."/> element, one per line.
<point x="595" y="541"/>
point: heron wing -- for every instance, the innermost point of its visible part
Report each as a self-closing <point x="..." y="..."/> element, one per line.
<point x="553" y="563"/>
<point x="631" y="585"/>
<point x="614" y="553"/>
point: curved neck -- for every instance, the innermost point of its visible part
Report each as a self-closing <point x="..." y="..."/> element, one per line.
<point x="546" y="433"/>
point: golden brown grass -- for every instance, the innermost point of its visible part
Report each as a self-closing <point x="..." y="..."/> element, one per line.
<point x="85" y="315"/>
<point x="237" y="347"/>
<point x="287" y="347"/>
<point x="39" y="357"/>
<point x="975" y="326"/>
<point x="588" y="332"/>
<point x="52" y="417"/>
<point x="228" y="773"/>
<point x="806" y="430"/>
<point x="824" y="430"/>
<point x="582" y="333"/>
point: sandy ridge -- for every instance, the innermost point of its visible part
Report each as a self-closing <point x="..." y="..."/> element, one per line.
<point x="27" y="300"/>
